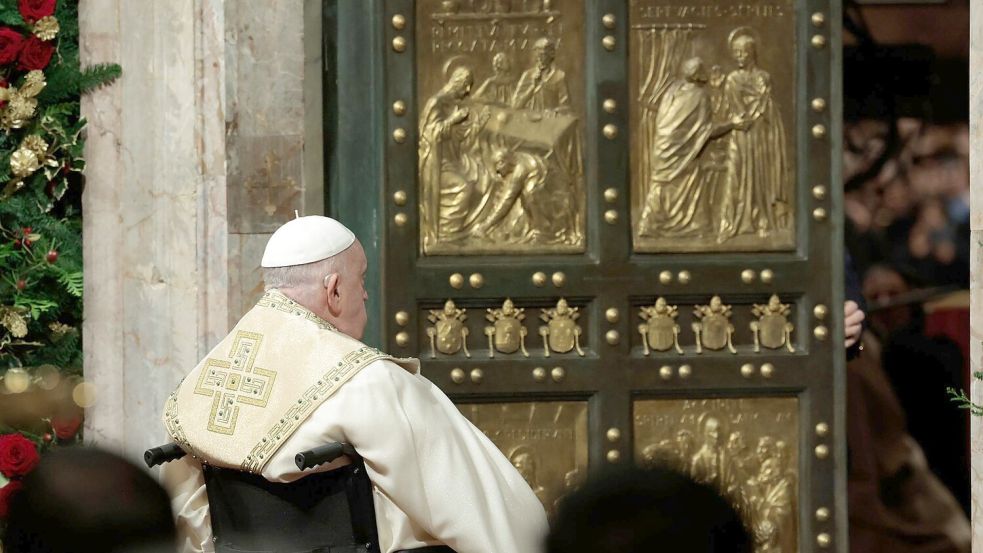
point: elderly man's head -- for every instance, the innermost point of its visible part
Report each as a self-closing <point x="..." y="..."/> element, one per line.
<point x="333" y="288"/>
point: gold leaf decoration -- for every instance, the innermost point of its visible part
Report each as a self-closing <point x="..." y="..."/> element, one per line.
<point x="47" y="28"/>
<point x="24" y="162"/>
<point x="15" y="323"/>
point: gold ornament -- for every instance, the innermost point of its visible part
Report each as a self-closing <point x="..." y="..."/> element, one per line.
<point x="23" y="162"/>
<point x="60" y="330"/>
<point x="20" y="102"/>
<point x="46" y="28"/>
<point x="14" y="322"/>
<point x="33" y="83"/>
<point x="36" y="144"/>
<point x="19" y="111"/>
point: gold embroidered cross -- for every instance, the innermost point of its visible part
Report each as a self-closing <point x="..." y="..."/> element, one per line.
<point x="235" y="381"/>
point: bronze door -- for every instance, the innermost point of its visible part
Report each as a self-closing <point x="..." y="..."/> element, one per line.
<point x="611" y="233"/>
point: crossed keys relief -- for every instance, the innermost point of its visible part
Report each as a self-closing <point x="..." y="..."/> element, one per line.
<point x="234" y="382"/>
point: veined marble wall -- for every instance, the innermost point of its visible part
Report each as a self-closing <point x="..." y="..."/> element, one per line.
<point x="210" y="140"/>
<point x="976" y="260"/>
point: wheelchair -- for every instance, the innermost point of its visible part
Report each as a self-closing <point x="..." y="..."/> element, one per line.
<point x="324" y="512"/>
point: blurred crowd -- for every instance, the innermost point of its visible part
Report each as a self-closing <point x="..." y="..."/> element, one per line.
<point x="906" y="199"/>
<point x="906" y="204"/>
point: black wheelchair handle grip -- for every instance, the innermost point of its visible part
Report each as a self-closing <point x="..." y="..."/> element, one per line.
<point x="163" y="454"/>
<point x="323" y="454"/>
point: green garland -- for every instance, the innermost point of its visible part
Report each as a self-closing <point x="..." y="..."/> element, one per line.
<point x="41" y="145"/>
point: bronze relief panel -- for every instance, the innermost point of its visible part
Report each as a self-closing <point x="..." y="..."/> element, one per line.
<point x="712" y="88"/>
<point x="501" y="101"/>
<point x="546" y="442"/>
<point x="745" y="447"/>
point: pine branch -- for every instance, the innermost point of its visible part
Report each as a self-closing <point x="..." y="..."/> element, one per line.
<point x="94" y="76"/>
<point x="960" y="398"/>
<point x="37" y="306"/>
<point x="72" y="281"/>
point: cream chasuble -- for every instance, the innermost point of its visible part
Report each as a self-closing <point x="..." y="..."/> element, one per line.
<point x="285" y="381"/>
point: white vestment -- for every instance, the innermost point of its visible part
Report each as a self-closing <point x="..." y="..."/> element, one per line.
<point x="437" y="479"/>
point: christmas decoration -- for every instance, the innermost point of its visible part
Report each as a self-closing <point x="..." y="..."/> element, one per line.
<point x="66" y="427"/>
<point x="18" y="455"/>
<point x="41" y="145"/>
<point x="6" y="493"/>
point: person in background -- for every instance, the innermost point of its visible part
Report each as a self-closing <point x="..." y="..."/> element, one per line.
<point x="84" y="499"/>
<point x="645" y="510"/>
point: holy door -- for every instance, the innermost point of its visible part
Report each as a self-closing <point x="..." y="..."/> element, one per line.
<point x="610" y="230"/>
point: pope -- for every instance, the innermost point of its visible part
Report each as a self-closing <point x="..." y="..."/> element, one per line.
<point x="292" y="375"/>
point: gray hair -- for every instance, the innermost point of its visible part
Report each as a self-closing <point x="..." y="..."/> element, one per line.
<point x="301" y="276"/>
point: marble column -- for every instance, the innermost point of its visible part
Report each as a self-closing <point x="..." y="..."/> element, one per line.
<point x="976" y="261"/>
<point x="209" y="140"/>
<point x="154" y="209"/>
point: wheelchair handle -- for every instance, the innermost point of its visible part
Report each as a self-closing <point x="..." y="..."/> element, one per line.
<point x="323" y="454"/>
<point x="163" y="454"/>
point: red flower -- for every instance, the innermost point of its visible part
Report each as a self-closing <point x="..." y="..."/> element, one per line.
<point x="32" y="10"/>
<point x="66" y="428"/>
<point x="18" y="455"/>
<point x="11" y="43"/>
<point x="35" y="55"/>
<point x="6" y="494"/>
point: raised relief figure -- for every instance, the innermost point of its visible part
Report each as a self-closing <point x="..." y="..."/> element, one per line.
<point x="561" y="333"/>
<point x="506" y="334"/>
<point x="679" y="195"/>
<point x="519" y="213"/>
<point x="662" y="454"/>
<point x="500" y="169"/>
<point x="714" y="330"/>
<point x="659" y="331"/>
<point x="449" y="168"/>
<point x="736" y="471"/>
<point x="772" y="329"/>
<point x="771" y="501"/>
<point x="448" y="335"/>
<point x="498" y="88"/>
<point x="754" y="196"/>
<point x="685" y="442"/>
<point x="543" y="86"/>
<point x="572" y="481"/>
<point x="523" y="458"/>
<point x="707" y="464"/>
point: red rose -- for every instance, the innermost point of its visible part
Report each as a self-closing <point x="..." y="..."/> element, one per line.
<point x="35" y="55"/>
<point x="6" y="494"/>
<point x="11" y="43"/>
<point x="18" y="455"/>
<point x="32" y="10"/>
<point x="66" y="427"/>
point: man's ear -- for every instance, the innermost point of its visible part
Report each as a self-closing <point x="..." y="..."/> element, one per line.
<point x="333" y="293"/>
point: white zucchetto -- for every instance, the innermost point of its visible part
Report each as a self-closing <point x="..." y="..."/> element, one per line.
<point x="306" y="240"/>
